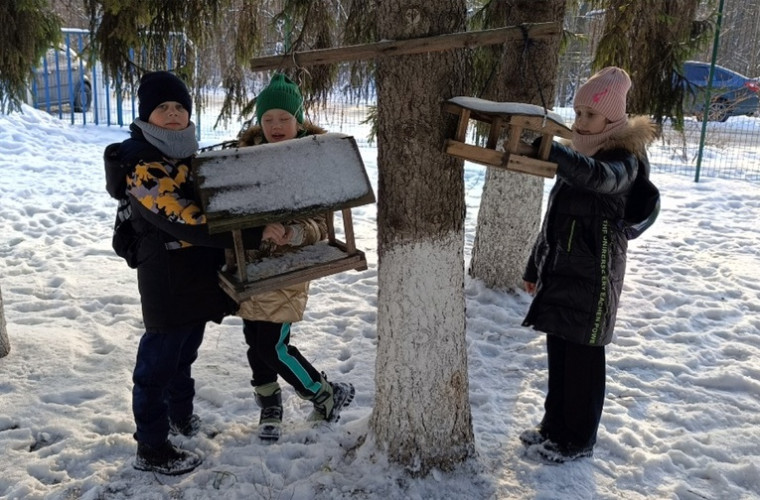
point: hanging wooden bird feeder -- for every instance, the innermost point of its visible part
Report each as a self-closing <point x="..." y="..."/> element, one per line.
<point x="254" y="186"/>
<point x="516" y="118"/>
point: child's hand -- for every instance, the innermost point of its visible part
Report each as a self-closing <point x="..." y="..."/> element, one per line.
<point x="526" y="150"/>
<point x="296" y="234"/>
<point x="530" y="287"/>
<point x="277" y="234"/>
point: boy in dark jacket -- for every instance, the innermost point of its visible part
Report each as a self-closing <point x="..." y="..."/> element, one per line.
<point x="177" y="263"/>
<point x="577" y="265"/>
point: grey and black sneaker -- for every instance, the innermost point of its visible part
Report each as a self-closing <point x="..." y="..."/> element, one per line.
<point x="330" y="400"/>
<point x="270" y="419"/>
<point x="188" y="427"/>
<point x="165" y="459"/>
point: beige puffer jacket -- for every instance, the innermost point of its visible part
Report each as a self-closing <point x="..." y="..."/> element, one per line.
<point x="286" y="305"/>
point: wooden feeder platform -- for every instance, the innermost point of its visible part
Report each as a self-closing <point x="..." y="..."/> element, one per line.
<point x="516" y="118"/>
<point x="254" y="186"/>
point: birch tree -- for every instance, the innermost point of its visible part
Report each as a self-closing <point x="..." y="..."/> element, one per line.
<point x="422" y="413"/>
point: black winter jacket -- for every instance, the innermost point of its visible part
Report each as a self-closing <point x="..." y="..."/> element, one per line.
<point x="578" y="260"/>
<point x="177" y="259"/>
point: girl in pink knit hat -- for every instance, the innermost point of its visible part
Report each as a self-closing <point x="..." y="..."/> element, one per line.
<point x="576" y="268"/>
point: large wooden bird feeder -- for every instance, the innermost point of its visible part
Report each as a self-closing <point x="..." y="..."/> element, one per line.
<point x="254" y="186"/>
<point x="516" y="118"/>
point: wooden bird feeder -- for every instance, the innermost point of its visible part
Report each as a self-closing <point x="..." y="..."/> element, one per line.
<point x="515" y="117"/>
<point x="254" y="186"/>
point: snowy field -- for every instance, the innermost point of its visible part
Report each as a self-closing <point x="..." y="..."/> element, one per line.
<point x="681" y="420"/>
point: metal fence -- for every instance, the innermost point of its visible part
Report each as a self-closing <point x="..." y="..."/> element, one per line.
<point x="68" y="88"/>
<point x="728" y="140"/>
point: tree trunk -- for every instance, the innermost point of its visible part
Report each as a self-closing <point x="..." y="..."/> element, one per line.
<point x="508" y="222"/>
<point x="5" y="343"/>
<point x="422" y="412"/>
<point x="510" y="207"/>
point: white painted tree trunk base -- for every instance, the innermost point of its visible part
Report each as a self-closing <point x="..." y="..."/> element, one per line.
<point x="422" y="405"/>
<point x="508" y="223"/>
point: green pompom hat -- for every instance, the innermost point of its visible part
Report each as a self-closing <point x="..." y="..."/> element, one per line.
<point x="281" y="93"/>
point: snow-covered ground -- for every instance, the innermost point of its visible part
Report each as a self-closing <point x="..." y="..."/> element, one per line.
<point x="682" y="416"/>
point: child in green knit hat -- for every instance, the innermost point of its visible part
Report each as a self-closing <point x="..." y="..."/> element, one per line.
<point x="267" y="317"/>
<point x="281" y="93"/>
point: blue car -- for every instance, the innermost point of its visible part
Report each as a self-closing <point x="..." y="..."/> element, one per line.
<point x="61" y="79"/>
<point x="732" y="93"/>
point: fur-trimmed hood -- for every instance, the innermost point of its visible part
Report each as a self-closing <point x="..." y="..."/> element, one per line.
<point x="639" y="133"/>
<point x="255" y="134"/>
<point x="635" y="137"/>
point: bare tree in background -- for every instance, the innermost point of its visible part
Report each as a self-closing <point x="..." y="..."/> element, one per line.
<point x="739" y="44"/>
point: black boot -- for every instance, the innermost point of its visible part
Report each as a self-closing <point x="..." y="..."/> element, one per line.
<point x="533" y="436"/>
<point x="188" y="427"/>
<point x="269" y="399"/>
<point x="561" y="453"/>
<point x="330" y="400"/>
<point x="165" y="459"/>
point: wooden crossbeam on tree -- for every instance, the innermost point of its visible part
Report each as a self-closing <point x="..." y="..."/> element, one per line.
<point x="465" y="40"/>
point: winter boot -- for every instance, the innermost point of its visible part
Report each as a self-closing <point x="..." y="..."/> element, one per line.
<point x="556" y="453"/>
<point x="165" y="459"/>
<point x="330" y="400"/>
<point x="533" y="436"/>
<point x="188" y="427"/>
<point x="269" y="399"/>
